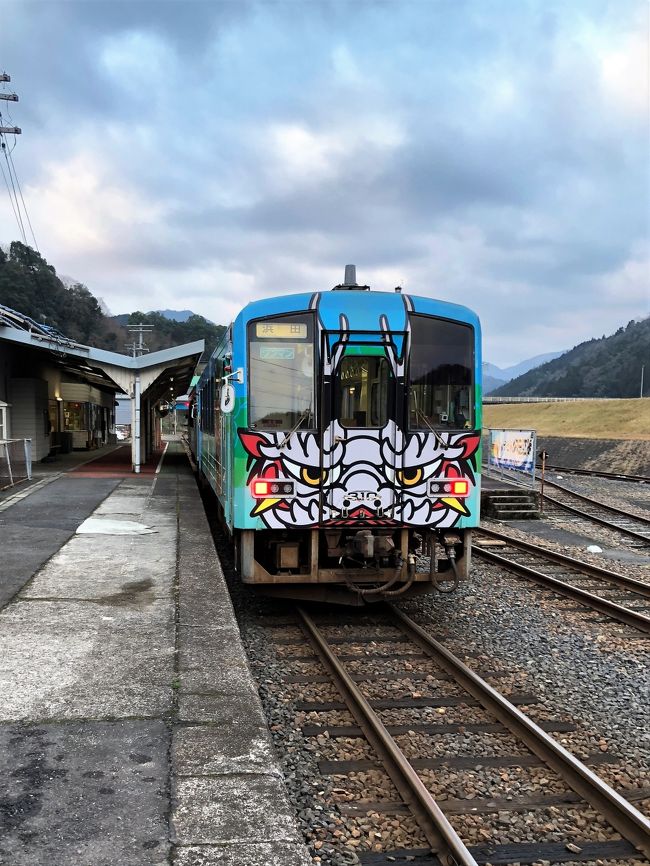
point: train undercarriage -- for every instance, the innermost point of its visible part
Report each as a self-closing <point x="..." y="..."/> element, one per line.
<point x="351" y="565"/>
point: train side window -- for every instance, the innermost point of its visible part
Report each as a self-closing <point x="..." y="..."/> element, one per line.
<point x="441" y="375"/>
<point x="281" y="373"/>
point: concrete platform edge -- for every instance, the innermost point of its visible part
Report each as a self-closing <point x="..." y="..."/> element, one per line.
<point x="228" y="797"/>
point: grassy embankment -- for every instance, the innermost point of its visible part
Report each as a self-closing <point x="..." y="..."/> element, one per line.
<point x="589" y="419"/>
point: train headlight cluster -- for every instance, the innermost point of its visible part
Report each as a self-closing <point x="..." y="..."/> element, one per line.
<point x="456" y="487"/>
<point x="271" y="488"/>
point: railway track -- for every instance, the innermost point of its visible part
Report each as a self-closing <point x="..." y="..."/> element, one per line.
<point x="455" y="709"/>
<point x="615" y="595"/>
<point x="596" y="473"/>
<point x="616" y="519"/>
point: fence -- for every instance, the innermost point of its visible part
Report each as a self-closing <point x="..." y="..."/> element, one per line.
<point x="489" y="399"/>
<point x="15" y="461"/>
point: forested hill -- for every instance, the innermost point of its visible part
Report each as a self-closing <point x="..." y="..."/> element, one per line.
<point x="608" y="367"/>
<point x="30" y="285"/>
<point x="169" y="332"/>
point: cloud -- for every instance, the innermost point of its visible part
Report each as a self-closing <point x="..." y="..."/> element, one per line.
<point x="84" y="211"/>
<point x="629" y="285"/>
<point x="625" y="72"/>
<point x="208" y="154"/>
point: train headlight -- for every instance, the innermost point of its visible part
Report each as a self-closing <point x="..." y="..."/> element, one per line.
<point x="271" y="488"/>
<point x="456" y="487"/>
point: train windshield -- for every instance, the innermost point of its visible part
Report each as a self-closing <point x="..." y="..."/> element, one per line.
<point x="365" y="392"/>
<point x="441" y="374"/>
<point x="281" y="373"/>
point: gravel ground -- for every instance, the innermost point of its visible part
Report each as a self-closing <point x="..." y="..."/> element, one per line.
<point x="581" y="668"/>
<point x="634" y="498"/>
<point x="635" y="563"/>
<point x="620" y="494"/>
<point x="574" y="667"/>
<point x="559" y="663"/>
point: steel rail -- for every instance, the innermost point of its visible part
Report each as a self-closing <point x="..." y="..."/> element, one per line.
<point x="596" y="473"/>
<point x="586" y="568"/>
<point x="596" y="502"/>
<point x="638" y="536"/>
<point x="629" y="822"/>
<point x="439" y="832"/>
<point x="610" y="608"/>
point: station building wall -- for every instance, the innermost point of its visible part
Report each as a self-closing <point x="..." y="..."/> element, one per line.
<point x="38" y="401"/>
<point x="28" y="414"/>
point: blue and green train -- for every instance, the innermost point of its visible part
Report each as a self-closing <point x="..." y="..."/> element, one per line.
<point x="340" y="433"/>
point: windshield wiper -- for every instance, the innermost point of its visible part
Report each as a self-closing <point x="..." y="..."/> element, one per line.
<point x="420" y="414"/>
<point x="303" y="416"/>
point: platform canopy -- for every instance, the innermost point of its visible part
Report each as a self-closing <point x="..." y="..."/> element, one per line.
<point x="162" y="373"/>
<point x="148" y="379"/>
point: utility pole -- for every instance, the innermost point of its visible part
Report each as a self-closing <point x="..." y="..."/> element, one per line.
<point x="9" y="97"/>
<point x="642" y="369"/>
<point x="137" y="347"/>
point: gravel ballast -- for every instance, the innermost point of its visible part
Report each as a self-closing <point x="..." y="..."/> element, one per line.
<point x="580" y="668"/>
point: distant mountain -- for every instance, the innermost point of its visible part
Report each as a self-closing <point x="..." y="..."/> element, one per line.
<point x="490" y="383"/>
<point x="495" y="377"/>
<point x="524" y="366"/>
<point x="170" y="315"/>
<point x="605" y="367"/>
<point x="508" y="373"/>
<point x="176" y="315"/>
<point x="493" y="371"/>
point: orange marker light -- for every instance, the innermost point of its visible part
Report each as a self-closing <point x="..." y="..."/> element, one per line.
<point x="460" y="487"/>
<point x="261" y="489"/>
<point x="274" y="488"/>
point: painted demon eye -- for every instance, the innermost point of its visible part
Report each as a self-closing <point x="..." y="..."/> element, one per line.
<point x="312" y="476"/>
<point x="410" y="477"/>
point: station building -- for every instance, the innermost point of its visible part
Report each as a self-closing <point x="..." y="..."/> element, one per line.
<point x="60" y="395"/>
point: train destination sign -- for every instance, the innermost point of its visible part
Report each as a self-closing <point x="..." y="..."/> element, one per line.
<point x="281" y="330"/>
<point x="277" y="353"/>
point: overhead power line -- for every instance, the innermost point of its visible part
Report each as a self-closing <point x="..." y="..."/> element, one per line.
<point x="12" y="183"/>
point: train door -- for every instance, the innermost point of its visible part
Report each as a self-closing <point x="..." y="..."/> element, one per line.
<point x="226" y="434"/>
<point x="223" y="426"/>
<point x="363" y="407"/>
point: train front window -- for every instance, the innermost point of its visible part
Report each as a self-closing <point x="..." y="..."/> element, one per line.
<point x="281" y="373"/>
<point x="365" y="391"/>
<point x="441" y="374"/>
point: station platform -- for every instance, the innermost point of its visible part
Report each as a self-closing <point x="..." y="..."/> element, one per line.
<point x="131" y="731"/>
<point x="491" y="482"/>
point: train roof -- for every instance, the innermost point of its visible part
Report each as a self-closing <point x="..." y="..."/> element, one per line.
<point x="359" y="305"/>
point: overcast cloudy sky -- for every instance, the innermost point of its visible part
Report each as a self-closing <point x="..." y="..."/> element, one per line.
<point x="203" y="154"/>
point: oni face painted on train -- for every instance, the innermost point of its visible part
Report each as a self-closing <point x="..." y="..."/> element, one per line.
<point x="366" y="477"/>
<point x="379" y="475"/>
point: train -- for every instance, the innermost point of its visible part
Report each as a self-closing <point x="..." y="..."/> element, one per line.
<point x="340" y="433"/>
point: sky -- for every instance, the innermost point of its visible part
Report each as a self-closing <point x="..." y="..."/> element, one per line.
<point x="198" y="155"/>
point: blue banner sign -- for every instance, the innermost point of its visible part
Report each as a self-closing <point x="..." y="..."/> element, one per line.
<point x="513" y="449"/>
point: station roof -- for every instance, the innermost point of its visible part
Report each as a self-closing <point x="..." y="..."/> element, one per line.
<point x="162" y="373"/>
